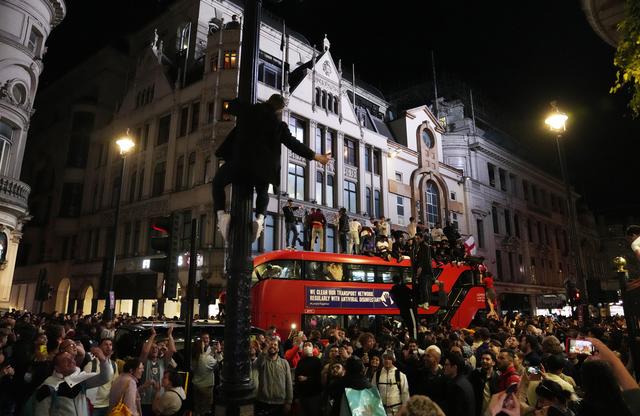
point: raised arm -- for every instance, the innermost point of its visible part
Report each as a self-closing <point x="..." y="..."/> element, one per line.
<point x="106" y="371"/>
<point x="171" y="345"/>
<point x="625" y="379"/>
<point x="147" y="346"/>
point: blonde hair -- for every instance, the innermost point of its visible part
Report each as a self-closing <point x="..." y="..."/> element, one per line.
<point x="419" y="405"/>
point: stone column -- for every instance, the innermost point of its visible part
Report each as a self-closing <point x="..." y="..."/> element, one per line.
<point x="339" y="165"/>
<point x="362" y="178"/>
<point x="311" y="165"/>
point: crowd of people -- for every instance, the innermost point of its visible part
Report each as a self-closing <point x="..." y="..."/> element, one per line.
<point x="67" y="365"/>
<point x="373" y="237"/>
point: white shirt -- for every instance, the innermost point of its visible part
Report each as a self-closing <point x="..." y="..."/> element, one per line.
<point x="355" y="226"/>
<point x="389" y="392"/>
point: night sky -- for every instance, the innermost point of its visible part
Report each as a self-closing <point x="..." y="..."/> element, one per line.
<point x="517" y="55"/>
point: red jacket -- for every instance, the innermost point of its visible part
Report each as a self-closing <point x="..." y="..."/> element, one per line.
<point x="507" y="378"/>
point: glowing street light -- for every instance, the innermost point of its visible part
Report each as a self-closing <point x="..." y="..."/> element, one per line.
<point x="556" y="120"/>
<point x="125" y="144"/>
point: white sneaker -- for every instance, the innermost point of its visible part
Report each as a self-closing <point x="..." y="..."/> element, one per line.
<point x="424" y="305"/>
<point x="224" y="219"/>
<point x="258" y="226"/>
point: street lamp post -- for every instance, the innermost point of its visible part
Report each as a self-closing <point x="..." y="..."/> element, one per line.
<point x="557" y="124"/>
<point x="237" y="388"/>
<point x="125" y="144"/>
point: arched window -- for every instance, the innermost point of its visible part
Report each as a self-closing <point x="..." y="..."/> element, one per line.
<point x="433" y="204"/>
<point x="330" y="103"/>
<point x="324" y="99"/>
<point x="335" y="104"/>
<point x="318" y="96"/>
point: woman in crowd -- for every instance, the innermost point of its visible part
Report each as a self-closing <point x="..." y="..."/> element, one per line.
<point x="125" y="388"/>
<point x="172" y="401"/>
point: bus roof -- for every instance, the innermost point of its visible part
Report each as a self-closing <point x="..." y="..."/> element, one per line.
<point x="326" y="257"/>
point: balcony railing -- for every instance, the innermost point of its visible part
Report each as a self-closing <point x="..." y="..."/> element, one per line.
<point x="14" y="192"/>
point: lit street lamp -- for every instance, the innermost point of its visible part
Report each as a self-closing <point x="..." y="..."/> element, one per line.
<point x="556" y="121"/>
<point x="125" y="144"/>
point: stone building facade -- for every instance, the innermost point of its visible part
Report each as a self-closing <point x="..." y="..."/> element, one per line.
<point x="24" y="28"/>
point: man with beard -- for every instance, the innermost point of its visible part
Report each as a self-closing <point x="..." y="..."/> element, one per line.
<point x="275" y="388"/>
<point x="484" y="381"/>
<point x="508" y="374"/>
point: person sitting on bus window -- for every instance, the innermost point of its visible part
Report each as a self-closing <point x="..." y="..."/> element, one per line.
<point x="335" y="271"/>
<point x="383" y="247"/>
<point x="367" y="241"/>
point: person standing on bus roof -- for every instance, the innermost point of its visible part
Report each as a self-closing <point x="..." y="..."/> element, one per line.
<point x="403" y="297"/>
<point x="353" y="243"/>
<point x="290" y="223"/>
<point x="423" y="270"/>
<point x="343" y="229"/>
<point x="318" y="222"/>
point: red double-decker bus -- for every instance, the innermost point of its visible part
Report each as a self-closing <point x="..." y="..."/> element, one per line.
<point x="311" y="290"/>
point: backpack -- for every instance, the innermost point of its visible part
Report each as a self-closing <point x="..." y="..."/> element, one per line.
<point x="397" y="374"/>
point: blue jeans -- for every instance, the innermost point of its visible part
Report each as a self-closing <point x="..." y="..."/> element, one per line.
<point x="290" y="227"/>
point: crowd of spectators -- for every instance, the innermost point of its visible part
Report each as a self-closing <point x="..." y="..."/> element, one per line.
<point x="67" y="365"/>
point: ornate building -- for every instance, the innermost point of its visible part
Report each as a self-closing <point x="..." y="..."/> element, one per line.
<point x="183" y="69"/>
<point x="24" y="28"/>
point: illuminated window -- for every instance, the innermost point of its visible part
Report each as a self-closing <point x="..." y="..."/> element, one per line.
<point x="433" y="204"/>
<point x="230" y="59"/>
<point x="320" y="188"/>
<point x="225" y="115"/>
<point x="349" y="196"/>
<point x="297" y="128"/>
<point x="350" y="152"/>
<point x="296" y="181"/>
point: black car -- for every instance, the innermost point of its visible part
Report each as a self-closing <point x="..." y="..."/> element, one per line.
<point x="129" y="338"/>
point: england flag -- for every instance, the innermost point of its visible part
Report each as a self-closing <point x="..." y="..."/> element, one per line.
<point x="470" y="246"/>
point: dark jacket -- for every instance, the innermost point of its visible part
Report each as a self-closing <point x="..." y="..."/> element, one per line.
<point x="310" y="367"/>
<point x="402" y="296"/>
<point x="422" y="258"/>
<point x="343" y="223"/>
<point x="432" y="385"/>
<point x="254" y="145"/>
<point x="460" y="400"/>
<point x="289" y="215"/>
<point x="478" y="380"/>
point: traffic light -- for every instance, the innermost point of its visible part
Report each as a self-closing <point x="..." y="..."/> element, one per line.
<point x="165" y="239"/>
